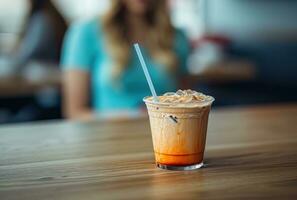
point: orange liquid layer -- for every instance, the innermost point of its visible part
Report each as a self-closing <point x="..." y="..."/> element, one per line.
<point x="179" y="160"/>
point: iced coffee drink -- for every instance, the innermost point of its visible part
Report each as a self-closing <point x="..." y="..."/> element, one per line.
<point x="179" y="124"/>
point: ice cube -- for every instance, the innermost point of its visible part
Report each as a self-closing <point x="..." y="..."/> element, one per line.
<point x="169" y="94"/>
<point x="188" y="99"/>
<point x="190" y="92"/>
<point x="180" y="92"/>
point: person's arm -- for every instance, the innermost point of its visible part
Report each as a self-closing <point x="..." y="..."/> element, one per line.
<point x="76" y="95"/>
<point x="77" y="56"/>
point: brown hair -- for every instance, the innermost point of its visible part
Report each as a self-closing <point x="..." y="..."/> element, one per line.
<point x="159" y="39"/>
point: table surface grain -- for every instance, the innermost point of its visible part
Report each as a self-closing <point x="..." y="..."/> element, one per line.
<point x="251" y="153"/>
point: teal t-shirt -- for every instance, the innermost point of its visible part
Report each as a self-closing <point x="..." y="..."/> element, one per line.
<point x="85" y="49"/>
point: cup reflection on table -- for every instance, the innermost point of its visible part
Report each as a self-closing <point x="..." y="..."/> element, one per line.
<point x="179" y="134"/>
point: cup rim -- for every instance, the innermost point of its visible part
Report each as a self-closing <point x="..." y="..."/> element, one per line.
<point x="207" y="101"/>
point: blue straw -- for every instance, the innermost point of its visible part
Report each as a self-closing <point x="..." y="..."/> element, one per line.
<point x="146" y="73"/>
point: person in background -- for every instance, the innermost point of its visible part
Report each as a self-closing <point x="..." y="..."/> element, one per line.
<point x="102" y="72"/>
<point x="42" y="36"/>
<point x="40" y="41"/>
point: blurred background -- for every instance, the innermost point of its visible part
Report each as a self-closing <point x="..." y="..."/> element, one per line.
<point x="243" y="52"/>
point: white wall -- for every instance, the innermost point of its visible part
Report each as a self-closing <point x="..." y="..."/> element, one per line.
<point x="11" y="14"/>
<point x="252" y="18"/>
<point x="78" y="9"/>
<point x="185" y="14"/>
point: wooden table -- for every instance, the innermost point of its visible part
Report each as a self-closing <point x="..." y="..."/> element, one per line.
<point x="20" y="85"/>
<point x="251" y="154"/>
<point x="225" y="72"/>
<point x="51" y="77"/>
<point x="15" y="86"/>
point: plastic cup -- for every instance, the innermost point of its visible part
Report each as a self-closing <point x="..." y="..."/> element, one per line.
<point x="179" y="133"/>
